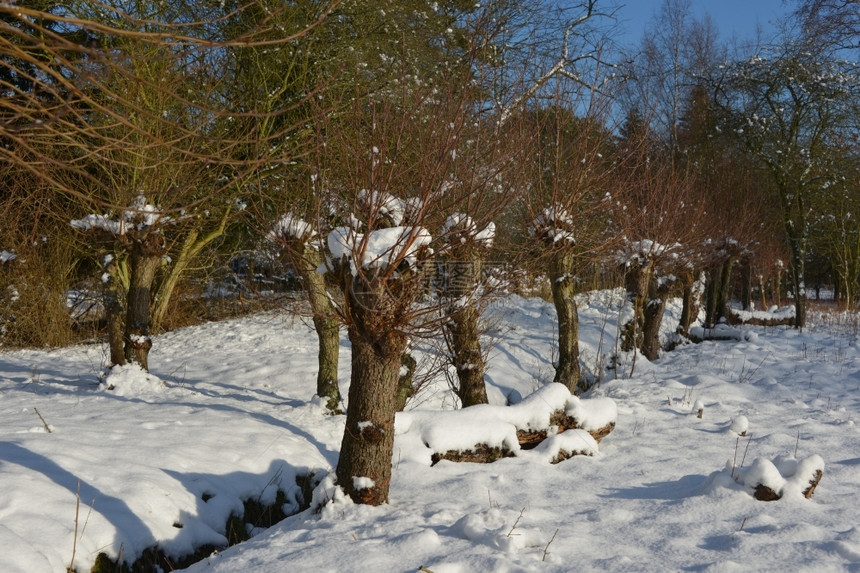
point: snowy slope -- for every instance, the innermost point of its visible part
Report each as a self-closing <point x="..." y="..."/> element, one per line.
<point x="234" y="418"/>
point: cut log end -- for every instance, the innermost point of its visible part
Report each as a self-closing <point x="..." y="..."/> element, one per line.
<point x="764" y="493"/>
<point x="813" y="483"/>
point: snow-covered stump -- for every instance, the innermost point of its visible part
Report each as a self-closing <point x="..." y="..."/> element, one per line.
<point x="560" y="421"/>
<point x="771" y="480"/>
<point x="550" y="425"/>
<point x="479" y="454"/>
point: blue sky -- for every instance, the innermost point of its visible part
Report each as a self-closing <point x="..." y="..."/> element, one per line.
<point x="737" y="17"/>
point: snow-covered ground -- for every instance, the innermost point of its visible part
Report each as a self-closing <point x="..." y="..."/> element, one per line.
<point x="228" y="414"/>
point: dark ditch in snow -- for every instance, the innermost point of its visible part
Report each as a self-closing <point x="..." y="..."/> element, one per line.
<point x="255" y="515"/>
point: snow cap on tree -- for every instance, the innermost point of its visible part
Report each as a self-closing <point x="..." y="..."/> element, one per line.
<point x="140" y="216"/>
<point x="553" y="225"/>
<point x="459" y="228"/>
<point x="377" y="249"/>
<point x="290" y="227"/>
<point x="644" y="250"/>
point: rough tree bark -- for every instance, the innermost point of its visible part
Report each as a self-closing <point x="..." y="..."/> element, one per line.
<point x="406" y="380"/>
<point x="368" y="439"/>
<point x="567" y="371"/>
<point x="653" y="318"/>
<point x="637" y="277"/>
<point x="711" y="294"/>
<point x="327" y="328"/>
<point x="725" y="290"/>
<point x="462" y="331"/>
<point x="306" y="259"/>
<point x="718" y="292"/>
<point x="144" y="262"/>
<point x="328" y="334"/>
<point x="691" y="301"/>
<point x="113" y="313"/>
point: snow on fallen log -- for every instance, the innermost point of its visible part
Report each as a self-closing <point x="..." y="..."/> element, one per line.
<point x="723" y="332"/>
<point x="551" y="421"/>
<point x="772" y="317"/>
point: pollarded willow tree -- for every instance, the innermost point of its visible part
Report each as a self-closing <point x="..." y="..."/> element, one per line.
<point x="572" y="170"/>
<point x="377" y="271"/>
<point x="790" y="107"/>
<point x="299" y="242"/>
<point x="356" y="54"/>
<point x="656" y="213"/>
<point x="394" y="167"/>
<point x="562" y="94"/>
<point x="463" y="254"/>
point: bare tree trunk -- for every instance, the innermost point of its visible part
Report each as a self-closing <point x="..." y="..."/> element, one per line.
<point x="746" y="291"/>
<point x="113" y="314"/>
<point x="328" y="335"/>
<point x="305" y="261"/>
<point x="405" y="387"/>
<point x="724" y="296"/>
<point x="690" y="302"/>
<point x="567" y="371"/>
<point x="714" y="274"/>
<point x="636" y="282"/>
<point x="144" y="265"/>
<point x="462" y="332"/>
<point x="368" y="440"/>
<point x="467" y="356"/>
<point x="718" y="293"/>
<point x="652" y="319"/>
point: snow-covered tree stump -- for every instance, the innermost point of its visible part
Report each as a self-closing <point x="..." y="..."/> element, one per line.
<point x="771" y="480"/>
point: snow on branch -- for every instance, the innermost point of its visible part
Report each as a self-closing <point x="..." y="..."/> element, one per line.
<point x="644" y="250"/>
<point x="140" y="216"/>
<point x="379" y="249"/>
<point x="386" y="205"/>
